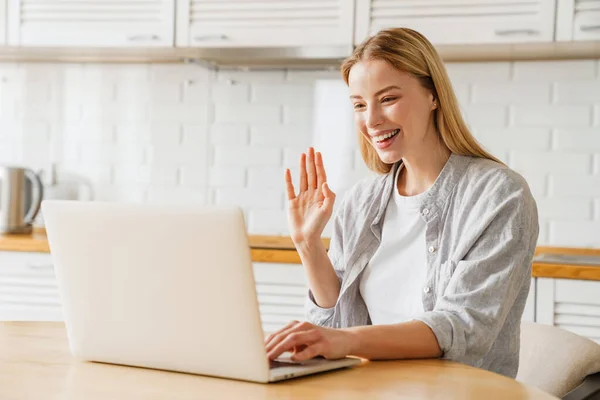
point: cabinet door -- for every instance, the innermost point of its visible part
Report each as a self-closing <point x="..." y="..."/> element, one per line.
<point x="281" y="291"/>
<point x="578" y="20"/>
<point x="209" y="23"/>
<point x="459" y="21"/>
<point x="3" y="22"/>
<point x="28" y="288"/>
<point x="127" y="23"/>
<point x="572" y="305"/>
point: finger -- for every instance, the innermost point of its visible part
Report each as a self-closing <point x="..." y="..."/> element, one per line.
<point x="321" y="176"/>
<point x="311" y="169"/>
<point x="329" y="198"/>
<point x="292" y="340"/>
<point x="281" y="330"/>
<point x="303" y="180"/>
<point x="286" y="331"/>
<point x="309" y="352"/>
<point x="289" y="185"/>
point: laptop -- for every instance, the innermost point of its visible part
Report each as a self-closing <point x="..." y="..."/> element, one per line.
<point x="163" y="287"/>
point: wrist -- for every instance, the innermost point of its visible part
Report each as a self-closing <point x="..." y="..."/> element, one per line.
<point x="308" y="246"/>
<point x="352" y="340"/>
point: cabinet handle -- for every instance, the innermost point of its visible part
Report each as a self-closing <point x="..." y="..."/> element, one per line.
<point x="509" y="32"/>
<point x="201" y="38"/>
<point x="587" y="28"/>
<point x="143" y="38"/>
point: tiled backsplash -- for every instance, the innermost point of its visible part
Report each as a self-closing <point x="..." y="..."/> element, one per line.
<point x="184" y="134"/>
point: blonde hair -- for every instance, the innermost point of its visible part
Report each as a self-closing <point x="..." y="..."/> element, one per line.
<point x="409" y="51"/>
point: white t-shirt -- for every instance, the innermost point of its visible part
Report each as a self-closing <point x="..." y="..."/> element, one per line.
<point x="392" y="282"/>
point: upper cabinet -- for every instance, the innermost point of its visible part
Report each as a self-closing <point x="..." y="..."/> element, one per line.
<point x="114" y="23"/>
<point x="269" y="23"/>
<point x="578" y="20"/>
<point x="460" y="21"/>
<point x="2" y="22"/>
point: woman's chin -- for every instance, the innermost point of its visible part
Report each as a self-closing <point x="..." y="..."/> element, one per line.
<point x="389" y="157"/>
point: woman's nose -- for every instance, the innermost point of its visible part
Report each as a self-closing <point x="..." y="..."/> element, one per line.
<point x="374" y="117"/>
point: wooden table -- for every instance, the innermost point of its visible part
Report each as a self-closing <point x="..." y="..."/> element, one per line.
<point x="35" y="363"/>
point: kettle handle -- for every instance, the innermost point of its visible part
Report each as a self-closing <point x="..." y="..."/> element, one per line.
<point x="34" y="208"/>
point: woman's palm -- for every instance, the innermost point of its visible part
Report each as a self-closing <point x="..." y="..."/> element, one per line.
<point x="309" y="210"/>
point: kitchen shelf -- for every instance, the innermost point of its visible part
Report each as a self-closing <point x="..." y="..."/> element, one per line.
<point x="302" y="57"/>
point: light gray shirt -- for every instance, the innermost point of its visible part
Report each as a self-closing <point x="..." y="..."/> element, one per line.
<point x="482" y="230"/>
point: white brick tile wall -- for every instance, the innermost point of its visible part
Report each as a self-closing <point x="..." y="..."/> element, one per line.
<point x="565" y="209"/>
<point x="577" y="92"/>
<point x="229" y="134"/>
<point x="550" y="71"/>
<point x="243" y="76"/>
<point x="233" y="93"/>
<point x="280" y="135"/>
<point x="260" y="199"/>
<point x="268" y="222"/>
<point x="575" y="185"/>
<point x="247" y="113"/>
<point x="266" y="177"/>
<point x="309" y="76"/>
<point x="479" y="72"/>
<point x="297" y="115"/>
<point x="574" y="234"/>
<point x="292" y="94"/>
<point x="234" y="155"/>
<point x="553" y="115"/>
<point x="477" y="115"/>
<point x="227" y="177"/>
<point x="502" y="140"/>
<point x="177" y="196"/>
<point x="512" y="93"/>
<point x="183" y="134"/>
<point x="586" y="139"/>
<point x="551" y="162"/>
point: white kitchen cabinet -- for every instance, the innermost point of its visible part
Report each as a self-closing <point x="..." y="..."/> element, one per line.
<point x="578" y="20"/>
<point x="459" y="21"/>
<point x="281" y="291"/>
<point x="269" y="23"/>
<point x="2" y="22"/>
<point x="28" y="287"/>
<point x="100" y="23"/>
<point x="573" y="305"/>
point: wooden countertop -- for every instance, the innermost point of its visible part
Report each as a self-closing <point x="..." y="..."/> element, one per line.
<point x="280" y="249"/>
<point x="36" y="364"/>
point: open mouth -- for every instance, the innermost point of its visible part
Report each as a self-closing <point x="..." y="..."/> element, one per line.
<point x="386" y="137"/>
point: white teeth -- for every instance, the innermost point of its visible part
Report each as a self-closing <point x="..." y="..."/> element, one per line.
<point x="386" y="136"/>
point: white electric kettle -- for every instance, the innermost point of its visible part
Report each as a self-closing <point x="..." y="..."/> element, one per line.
<point x="21" y="193"/>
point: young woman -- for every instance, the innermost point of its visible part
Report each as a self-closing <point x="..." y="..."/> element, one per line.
<point x="433" y="257"/>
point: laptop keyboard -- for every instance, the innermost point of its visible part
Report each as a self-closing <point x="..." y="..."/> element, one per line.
<point x="278" y="364"/>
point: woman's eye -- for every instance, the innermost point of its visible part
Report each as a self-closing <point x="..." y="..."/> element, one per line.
<point x="357" y="106"/>
<point x="388" y="99"/>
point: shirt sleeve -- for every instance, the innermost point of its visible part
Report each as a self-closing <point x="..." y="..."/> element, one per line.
<point x="469" y="315"/>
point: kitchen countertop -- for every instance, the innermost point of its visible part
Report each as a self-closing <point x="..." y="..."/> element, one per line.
<point x="280" y="249"/>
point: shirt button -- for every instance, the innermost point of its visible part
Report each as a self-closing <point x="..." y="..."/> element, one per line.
<point x="431" y="249"/>
<point x="425" y="211"/>
<point x="426" y="289"/>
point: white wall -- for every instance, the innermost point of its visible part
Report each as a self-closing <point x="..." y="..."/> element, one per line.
<point x="184" y="134"/>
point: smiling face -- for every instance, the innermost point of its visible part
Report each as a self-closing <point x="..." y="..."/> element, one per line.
<point x="392" y="110"/>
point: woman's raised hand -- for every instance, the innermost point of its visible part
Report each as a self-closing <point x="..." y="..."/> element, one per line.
<point x="309" y="210"/>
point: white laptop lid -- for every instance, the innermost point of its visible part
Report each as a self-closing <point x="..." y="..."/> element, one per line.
<point x="166" y="287"/>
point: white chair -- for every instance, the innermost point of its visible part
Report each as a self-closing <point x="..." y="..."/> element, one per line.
<point x="559" y="362"/>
